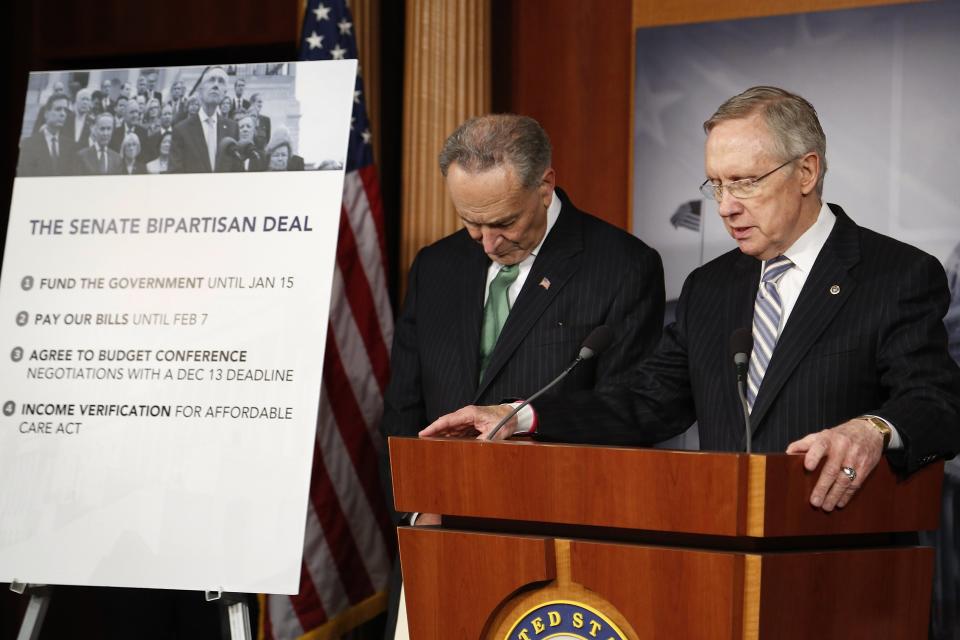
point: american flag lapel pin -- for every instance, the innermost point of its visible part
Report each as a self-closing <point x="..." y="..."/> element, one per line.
<point x="545" y="283"/>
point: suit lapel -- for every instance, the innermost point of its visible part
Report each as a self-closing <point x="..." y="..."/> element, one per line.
<point x="473" y="280"/>
<point x="223" y="129"/>
<point x="743" y="291"/>
<point x="815" y="309"/>
<point x="198" y="141"/>
<point x="557" y="261"/>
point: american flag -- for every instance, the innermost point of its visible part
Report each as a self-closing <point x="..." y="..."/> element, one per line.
<point x="687" y="216"/>
<point x="349" y="543"/>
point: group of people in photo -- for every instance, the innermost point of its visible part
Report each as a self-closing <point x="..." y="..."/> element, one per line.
<point x="122" y="128"/>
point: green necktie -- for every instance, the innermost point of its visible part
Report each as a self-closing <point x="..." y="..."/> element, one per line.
<point x="495" y="312"/>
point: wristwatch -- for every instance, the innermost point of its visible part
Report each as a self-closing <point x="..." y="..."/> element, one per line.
<point x="882" y="427"/>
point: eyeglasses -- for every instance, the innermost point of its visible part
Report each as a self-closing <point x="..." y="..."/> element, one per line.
<point x="746" y="188"/>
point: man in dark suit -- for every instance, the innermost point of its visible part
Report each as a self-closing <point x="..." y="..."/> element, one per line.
<point x="76" y="129"/>
<point x="99" y="158"/>
<point x="849" y="353"/>
<point x="239" y="102"/>
<point x="42" y="154"/>
<point x="574" y="273"/>
<point x="150" y="91"/>
<point x="151" y="148"/>
<point x="178" y="102"/>
<point x="197" y="139"/>
<point x="131" y="124"/>
<point x="498" y="309"/>
<point x="110" y="90"/>
<point x="241" y="154"/>
<point x="264" y="132"/>
<point x="57" y="90"/>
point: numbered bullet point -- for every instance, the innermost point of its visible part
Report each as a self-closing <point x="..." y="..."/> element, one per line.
<point x="22" y="318"/>
<point x="9" y="407"/>
<point x="27" y="283"/>
<point x="17" y="354"/>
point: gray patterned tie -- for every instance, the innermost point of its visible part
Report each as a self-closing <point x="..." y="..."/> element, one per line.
<point x="767" y="311"/>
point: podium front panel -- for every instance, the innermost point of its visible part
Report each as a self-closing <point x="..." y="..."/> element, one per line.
<point x="479" y="585"/>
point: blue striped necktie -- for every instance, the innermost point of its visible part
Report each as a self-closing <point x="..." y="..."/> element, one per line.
<point x="767" y="311"/>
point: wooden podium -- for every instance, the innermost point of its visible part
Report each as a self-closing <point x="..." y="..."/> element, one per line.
<point x="661" y="544"/>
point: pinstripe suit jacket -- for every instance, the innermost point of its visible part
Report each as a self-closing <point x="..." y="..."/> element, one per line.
<point x="877" y="346"/>
<point x="597" y="274"/>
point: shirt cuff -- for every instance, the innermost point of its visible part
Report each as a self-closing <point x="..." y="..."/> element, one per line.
<point x="896" y="443"/>
<point x="526" y="420"/>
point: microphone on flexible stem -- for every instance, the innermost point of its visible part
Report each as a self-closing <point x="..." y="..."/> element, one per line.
<point x="741" y="344"/>
<point x="594" y="344"/>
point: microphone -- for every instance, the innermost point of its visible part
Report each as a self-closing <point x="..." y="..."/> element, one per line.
<point x="594" y="344"/>
<point x="227" y="145"/>
<point x="741" y="344"/>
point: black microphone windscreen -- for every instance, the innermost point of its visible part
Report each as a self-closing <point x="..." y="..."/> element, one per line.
<point x="741" y="341"/>
<point x="597" y="342"/>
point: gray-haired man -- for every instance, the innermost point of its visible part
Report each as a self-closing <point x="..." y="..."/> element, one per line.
<point x="499" y="308"/>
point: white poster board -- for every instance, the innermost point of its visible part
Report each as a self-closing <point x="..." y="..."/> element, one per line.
<point x="162" y="348"/>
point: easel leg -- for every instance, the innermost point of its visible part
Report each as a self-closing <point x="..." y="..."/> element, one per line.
<point x="35" y="613"/>
<point x="239" y="616"/>
<point x="236" y="612"/>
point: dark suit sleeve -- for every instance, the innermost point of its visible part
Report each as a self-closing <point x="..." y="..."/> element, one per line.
<point x="636" y="316"/>
<point x="922" y="382"/>
<point x="645" y="405"/>
<point x="34" y="157"/>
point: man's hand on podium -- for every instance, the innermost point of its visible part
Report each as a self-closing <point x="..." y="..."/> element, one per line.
<point x="849" y="453"/>
<point x="473" y="421"/>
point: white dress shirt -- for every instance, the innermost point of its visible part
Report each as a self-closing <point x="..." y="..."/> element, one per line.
<point x="802" y="253"/>
<point x="208" y="131"/>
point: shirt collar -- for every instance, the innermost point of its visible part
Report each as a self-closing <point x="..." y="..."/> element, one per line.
<point x="803" y="253"/>
<point x="553" y="212"/>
